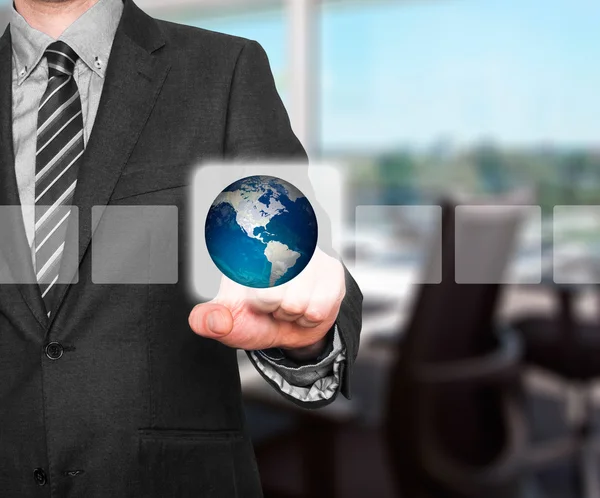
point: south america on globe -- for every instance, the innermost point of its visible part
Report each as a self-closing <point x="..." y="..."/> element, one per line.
<point x="261" y="231"/>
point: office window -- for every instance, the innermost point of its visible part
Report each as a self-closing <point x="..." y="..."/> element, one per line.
<point x="486" y="95"/>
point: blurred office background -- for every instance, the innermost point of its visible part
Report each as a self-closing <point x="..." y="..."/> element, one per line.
<point x="426" y="103"/>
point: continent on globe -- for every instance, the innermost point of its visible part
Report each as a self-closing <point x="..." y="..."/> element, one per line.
<point x="282" y="258"/>
<point x="261" y="231"/>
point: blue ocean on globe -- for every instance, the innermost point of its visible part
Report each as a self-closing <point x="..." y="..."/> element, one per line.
<point x="261" y="231"/>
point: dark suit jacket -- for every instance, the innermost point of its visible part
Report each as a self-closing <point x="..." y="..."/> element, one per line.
<point x="138" y="405"/>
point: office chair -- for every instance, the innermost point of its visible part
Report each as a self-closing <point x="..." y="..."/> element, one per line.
<point x="455" y="423"/>
<point x="570" y="349"/>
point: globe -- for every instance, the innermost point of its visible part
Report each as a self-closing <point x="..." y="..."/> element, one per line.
<point x="261" y="231"/>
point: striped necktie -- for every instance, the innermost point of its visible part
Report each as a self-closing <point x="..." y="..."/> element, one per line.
<point x="60" y="146"/>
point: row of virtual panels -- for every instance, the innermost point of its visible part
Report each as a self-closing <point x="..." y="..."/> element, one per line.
<point x="493" y="244"/>
<point x="510" y="244"/>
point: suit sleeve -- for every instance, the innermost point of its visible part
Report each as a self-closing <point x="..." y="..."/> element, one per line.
<point x="258" y="130"/>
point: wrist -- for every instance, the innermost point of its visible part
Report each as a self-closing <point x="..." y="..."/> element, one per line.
<point x="306" y="353"/>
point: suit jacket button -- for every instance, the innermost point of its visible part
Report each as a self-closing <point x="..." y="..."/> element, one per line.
<point x="40" y="477"/>
<point x="54" y="350"/>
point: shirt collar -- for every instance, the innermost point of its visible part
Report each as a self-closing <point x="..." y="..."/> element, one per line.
<point x="90" y="36"/>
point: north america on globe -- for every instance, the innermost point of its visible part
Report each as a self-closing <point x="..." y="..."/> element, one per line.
<point x="261" y="231"/>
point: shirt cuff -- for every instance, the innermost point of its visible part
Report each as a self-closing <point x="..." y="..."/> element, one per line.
<point x="306" y="382"/>
<point x="279" y="357"/>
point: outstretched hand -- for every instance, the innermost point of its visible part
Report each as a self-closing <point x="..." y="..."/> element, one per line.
<point x="295" y="316"/>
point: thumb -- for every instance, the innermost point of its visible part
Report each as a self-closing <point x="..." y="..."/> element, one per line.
<point x="211" y="320"/>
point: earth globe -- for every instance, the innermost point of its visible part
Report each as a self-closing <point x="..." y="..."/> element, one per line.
<point x="261" y="231"/>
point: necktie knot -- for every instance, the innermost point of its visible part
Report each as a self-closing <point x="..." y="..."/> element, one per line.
<point x="61" y="59"/>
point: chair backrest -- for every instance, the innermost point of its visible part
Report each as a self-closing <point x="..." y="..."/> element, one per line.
<point x="451" y="322"/>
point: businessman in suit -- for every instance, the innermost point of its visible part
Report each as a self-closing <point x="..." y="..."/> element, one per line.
<point x="132" y="390"/>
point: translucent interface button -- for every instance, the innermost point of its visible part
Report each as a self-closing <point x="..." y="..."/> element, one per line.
<point x="499" y="244"/>
<point x="15" y="257"/>
<point x="397" y="246"/>
<point x="135" y="245"/>
<point x="576" y="245"/>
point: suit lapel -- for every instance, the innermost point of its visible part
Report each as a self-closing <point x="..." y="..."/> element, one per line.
<point x="135" y="76"/>
<point x="16" y="256"/>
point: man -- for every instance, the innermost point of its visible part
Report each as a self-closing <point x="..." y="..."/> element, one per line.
<point x="105" y="391"/>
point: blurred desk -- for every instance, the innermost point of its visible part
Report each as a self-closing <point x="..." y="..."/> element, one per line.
<point x="388" y="296"/>
<point x="387" y="326"/>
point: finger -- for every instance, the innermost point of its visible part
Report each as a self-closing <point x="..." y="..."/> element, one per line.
<point x="295" y="299"/>
<point x="324" y="302"/>
<point x="230" y="294"/>
<point x="211" y="320"/>
<point x="266" y="300"/>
